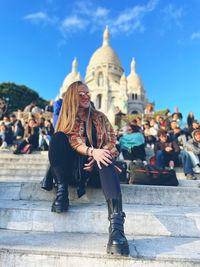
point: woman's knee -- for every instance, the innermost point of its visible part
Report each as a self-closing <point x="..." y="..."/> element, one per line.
<point x="59" y="137"/>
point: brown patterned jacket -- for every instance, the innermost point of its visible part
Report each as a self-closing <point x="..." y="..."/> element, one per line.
<point x="76" y="138"/>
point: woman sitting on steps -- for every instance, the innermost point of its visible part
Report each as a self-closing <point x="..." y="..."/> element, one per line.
<point x="82" y="149"/>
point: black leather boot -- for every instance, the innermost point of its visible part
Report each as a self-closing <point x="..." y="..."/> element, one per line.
<point x="47" y="182"/>
<point x="61" y="203"/>
<point x="117" y="243"/>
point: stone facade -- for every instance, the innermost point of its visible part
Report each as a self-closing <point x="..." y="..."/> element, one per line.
<point x="108" y="84"/>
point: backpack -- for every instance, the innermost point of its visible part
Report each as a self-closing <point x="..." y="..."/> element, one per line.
<point x="151" y="175"/>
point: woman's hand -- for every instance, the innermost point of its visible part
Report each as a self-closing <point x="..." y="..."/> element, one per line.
<point x="102" y="156"/>
<point x="89" y="166"/>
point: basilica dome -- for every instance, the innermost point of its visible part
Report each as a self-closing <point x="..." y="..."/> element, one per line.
<point x="105" y="54"/>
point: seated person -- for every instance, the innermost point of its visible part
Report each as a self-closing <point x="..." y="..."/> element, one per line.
<point x="5" y="136"/>
<point x="162" y="123"/>
<point x="170" y="132"/>
<point x="179" y="119"/>
<point x="149" y="134"/>
<point x="166" y="152"/>
<point x="195" y="126"/>
<point x="117" y="135"/>
<point x="192" y="146"/>
<point x="132" y="144"/>
<point x="17" y="128"/>
<point x="31" y="136"/>
<point x="45" y="135"/>
<point x="149" y="109"/>
<point x="181" y="137"/>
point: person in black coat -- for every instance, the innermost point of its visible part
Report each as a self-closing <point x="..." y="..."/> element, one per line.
<point x="166" y="151"/>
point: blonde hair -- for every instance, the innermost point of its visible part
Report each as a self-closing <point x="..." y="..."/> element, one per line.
<point x="69" y="109"/>
<point x="68" y="113"/>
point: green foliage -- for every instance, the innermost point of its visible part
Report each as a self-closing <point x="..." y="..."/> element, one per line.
<point x="161" y="112"/>
<point x="19" y="96"/>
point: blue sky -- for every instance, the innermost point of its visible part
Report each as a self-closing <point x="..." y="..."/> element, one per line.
<point x="40" y="38"/>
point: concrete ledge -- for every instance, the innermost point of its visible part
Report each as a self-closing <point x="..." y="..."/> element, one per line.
<point x="86" y="218"/>
<point x="61" y="249"/>
<point x="132" y="194"/>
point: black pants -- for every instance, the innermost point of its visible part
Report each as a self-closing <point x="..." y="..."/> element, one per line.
<point x="61" y="157"/>
<point x="137" y="152"/>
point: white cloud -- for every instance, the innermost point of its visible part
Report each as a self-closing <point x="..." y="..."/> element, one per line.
<point x="195" y="35"/>
<point x="73" y="23"/>
<point x="86" y="15"/>
<point x="131" y="19"/>
<point x="173" y="15"/>
<point x="40" y="17"/>
<point x="101" y="12"/>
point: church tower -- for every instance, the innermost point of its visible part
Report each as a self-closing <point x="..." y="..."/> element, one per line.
<point x="71" y="77"/>
<point x="103" y="78"/>
<point x="137" y="100"/>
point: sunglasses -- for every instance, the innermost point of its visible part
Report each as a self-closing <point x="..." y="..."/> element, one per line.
<point x="82" y="94"/>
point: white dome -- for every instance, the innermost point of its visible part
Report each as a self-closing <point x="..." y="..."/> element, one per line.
<point x="72" y="77"/>
<point x="134" y="81"/>
<point x="105" y="54"/>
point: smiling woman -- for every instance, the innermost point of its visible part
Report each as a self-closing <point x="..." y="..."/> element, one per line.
<point x="85" y="136"/>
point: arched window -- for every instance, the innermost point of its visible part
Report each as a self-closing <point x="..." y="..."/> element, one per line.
<point x="100" y="79"/>
<point x="134" y="96"/>
<point x="99" y="101"/>
<point x="134" y="112"/>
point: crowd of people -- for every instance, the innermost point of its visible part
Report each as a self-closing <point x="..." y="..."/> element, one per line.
<point x="166" y="141"/>
<point x="25" y="135"/>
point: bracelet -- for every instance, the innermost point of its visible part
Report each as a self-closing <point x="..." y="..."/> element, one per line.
<point x="87" y="151"/>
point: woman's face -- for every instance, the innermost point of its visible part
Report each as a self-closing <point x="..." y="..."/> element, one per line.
<point x="3" y="128"/>
<point x="31" y="123"/>
<point x="84" y="96"/>
<point x="163" y="138"/>
<point x="130" y="130"/>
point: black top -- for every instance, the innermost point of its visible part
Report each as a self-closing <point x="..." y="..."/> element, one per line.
<point x="94" y="135"/>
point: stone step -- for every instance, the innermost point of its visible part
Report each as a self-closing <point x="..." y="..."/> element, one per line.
<point x="29" y="158"/>
<point x="152" y="220"/>
<point x="38" y="168"/>
<point x="22" y="249"/>
<point x="24" y="165"/>
<point x="25" y="172"/>
<point x="40" y="161"/>
<point x="132" y="194"/>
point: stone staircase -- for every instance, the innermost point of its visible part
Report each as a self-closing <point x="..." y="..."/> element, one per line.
<point x="162" y="223"/>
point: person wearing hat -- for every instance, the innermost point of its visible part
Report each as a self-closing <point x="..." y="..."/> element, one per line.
<point x="193" y="148"/>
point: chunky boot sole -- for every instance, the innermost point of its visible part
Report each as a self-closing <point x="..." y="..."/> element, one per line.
<point x="122" y="250"/>
<point x="59" y="209"/>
